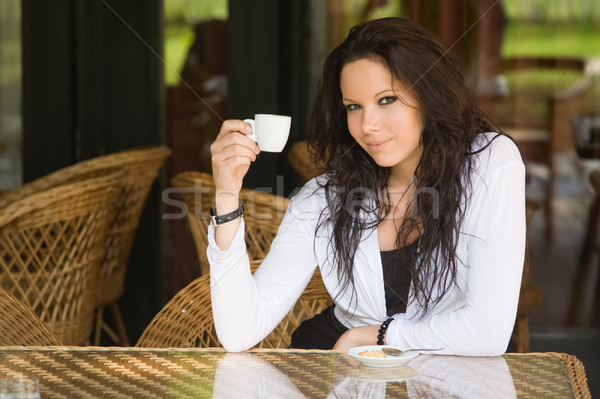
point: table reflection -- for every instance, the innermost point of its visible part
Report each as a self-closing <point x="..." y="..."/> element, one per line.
<point x="461" y="377"/>
<point x="243" y="375"/>
<point x="249" y="375"/>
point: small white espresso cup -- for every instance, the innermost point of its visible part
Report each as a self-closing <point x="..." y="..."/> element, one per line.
<point x="270" y="131"/>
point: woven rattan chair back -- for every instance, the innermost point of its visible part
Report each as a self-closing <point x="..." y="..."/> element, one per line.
<point x="263" y="213"/>
<point x="51" y="248"/>
<point x="197" y="190"/>
<point x="300" y="159"/>
<point x="19" y="326"/>
<point x="186" y="321"/>
<point x="141" y="166"/>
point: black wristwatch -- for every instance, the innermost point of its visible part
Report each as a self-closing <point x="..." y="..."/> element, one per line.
<point x="217" y="220"/>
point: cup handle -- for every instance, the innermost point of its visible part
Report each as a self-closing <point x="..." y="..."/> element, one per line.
<point x="251" y="135"/>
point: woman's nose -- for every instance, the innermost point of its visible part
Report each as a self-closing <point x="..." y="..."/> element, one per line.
<point x="371" y="120"/>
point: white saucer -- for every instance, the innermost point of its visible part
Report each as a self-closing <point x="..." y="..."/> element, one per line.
<point x="388" y="361"/>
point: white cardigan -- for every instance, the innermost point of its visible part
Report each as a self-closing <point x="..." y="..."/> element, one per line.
<point x="475" y="318"/>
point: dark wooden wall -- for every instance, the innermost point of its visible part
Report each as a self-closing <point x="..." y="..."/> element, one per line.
<point x="92" y="84"/>
<point x="268" y="73"/>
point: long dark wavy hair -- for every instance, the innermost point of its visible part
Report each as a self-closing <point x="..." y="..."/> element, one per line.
<point x="452" y="121"/>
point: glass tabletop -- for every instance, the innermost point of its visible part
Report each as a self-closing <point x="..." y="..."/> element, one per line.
<point x="197" y="373"/>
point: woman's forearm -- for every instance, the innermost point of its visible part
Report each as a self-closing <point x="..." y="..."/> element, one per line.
<point x="226" y="202"/>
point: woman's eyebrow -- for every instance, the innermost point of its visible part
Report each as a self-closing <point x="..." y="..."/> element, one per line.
<point x="384" y="91"/>
<point x="374" y="95"/>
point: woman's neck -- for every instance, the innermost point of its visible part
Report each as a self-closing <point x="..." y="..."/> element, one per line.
<point x="399" y="184"/>
<point x="401" y="177"/>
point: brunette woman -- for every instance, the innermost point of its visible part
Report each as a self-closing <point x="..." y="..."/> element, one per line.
<point x="417" y="221"/>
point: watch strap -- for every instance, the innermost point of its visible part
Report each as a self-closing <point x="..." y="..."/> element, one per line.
<point x="228" y="217"/>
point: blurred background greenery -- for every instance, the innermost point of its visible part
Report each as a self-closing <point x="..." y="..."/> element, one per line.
<point x="10" y="54"/>
<point x="548" y="28"/>
<point x="180" y="16"/>
<point x="535" y="27"/>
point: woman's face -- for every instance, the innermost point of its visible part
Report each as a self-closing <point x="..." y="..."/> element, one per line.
<point x="383" y="117"/>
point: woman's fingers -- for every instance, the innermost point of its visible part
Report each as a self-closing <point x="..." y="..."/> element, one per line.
<point x="233" y="145"/>
<point x="232" y="153"/>
<point x="234" y="131"/>
<point x="230" y="140"/>
<point x="235" y="125"/>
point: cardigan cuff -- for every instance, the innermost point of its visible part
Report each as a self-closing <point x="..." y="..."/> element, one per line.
<point x="216" y="255"/>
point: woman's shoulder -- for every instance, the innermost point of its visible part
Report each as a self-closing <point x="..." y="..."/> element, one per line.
<point x="495" y="150"/>
<point x="311" y="195"/>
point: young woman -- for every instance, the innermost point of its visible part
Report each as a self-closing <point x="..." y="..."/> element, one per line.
<point x="417" y="222"/>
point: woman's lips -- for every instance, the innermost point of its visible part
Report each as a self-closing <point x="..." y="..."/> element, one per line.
<point x="377" y="145"/>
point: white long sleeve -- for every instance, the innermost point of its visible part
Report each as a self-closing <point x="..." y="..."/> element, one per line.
<point x="246" y="308"/>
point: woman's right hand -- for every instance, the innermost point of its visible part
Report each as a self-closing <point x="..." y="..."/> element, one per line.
<point x="232" y="153"/>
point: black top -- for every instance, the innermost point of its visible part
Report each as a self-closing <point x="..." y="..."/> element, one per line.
<point x="396" y="277"/>
<point x="323" y="330"/>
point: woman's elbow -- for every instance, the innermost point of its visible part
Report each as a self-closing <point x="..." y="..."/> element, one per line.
<point x="234" y="339"/>
<point x="491" y="343"/>
<point x="234" y="342"/>
<point x="482" y="342"/>
<point x="494" y="347"/>
<point x="230" y="338"/>
<point x="235" y="346"/>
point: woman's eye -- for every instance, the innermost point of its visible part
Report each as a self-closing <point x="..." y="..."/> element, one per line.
<point x="352" y="107"/>
<point x="388" y="100"/>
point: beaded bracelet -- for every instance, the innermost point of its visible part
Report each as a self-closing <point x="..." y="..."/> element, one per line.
<point x="383" y="329"/>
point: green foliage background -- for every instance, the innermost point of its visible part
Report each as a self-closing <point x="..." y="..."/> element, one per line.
<point x="180" y="18"/>
<point x="536" y="27"/>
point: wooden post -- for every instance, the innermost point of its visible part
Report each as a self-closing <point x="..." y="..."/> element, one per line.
<point x="451" y="24"/>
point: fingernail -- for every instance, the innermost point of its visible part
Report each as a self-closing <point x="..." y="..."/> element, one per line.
<point x="248" y="128"/>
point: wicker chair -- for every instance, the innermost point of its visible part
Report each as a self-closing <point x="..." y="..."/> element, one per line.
<point x="186" y="321"/>
<point x="197" y="190"/>
<point x="141" y="165"/>
<point x="263" y="213"/>
<point x="19" y="326"/>
<point x="300" y="159"/>
<point x="51" y="248"/>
